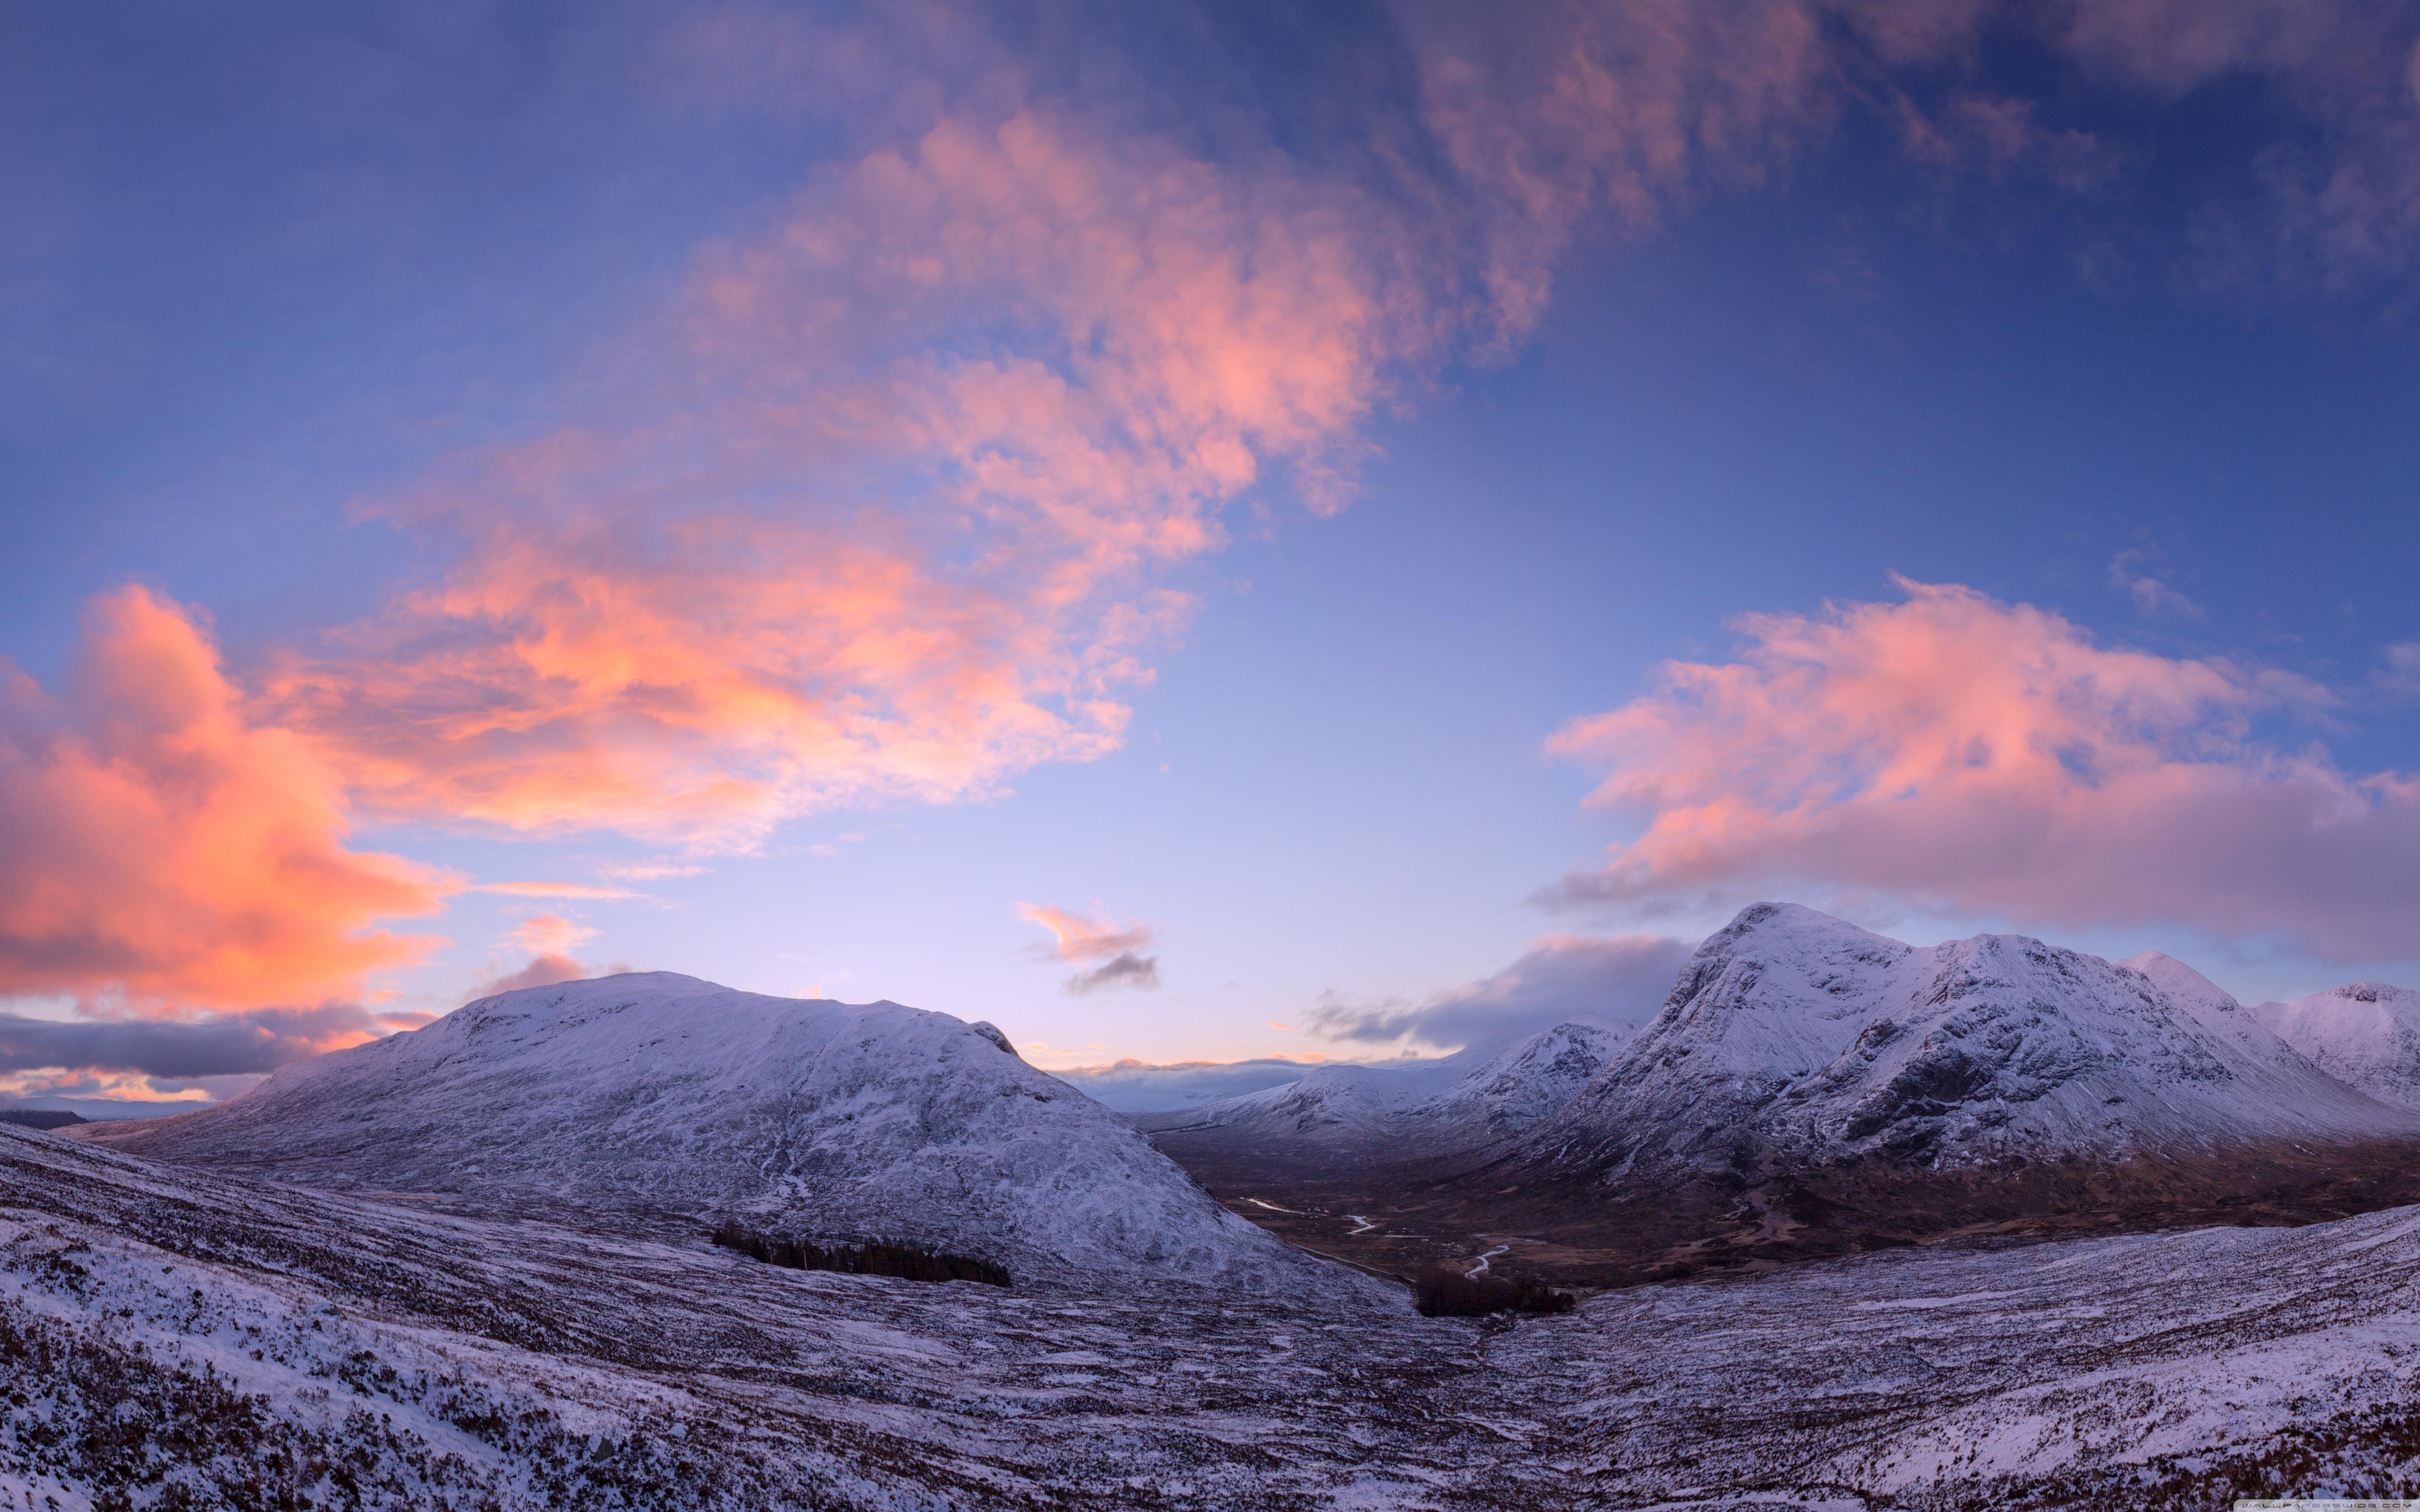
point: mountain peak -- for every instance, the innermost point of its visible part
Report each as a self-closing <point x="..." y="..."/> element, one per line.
<point x="665" y="1097"/>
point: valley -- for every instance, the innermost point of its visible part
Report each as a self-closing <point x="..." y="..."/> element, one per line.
<point x="273" y="1341"/>
<point x="2137" y="1251"/>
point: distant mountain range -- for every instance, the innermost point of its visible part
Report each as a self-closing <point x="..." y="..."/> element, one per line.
<point x="1810" y="1088"/>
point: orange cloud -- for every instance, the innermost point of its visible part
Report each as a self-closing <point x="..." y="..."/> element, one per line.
<point x="544" y="970"/>
<point x="549" y="935"/>
<point x="1077" y="938"/>
<point x="1117" y="947"/>
<point x="853" y="555"/>
<point x="554" y="889"/>
<point x="155" y="843"/>
<point x="1964" y="754"/>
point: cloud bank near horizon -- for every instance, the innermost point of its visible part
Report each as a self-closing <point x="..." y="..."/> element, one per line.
<point x="1620" y="978"/>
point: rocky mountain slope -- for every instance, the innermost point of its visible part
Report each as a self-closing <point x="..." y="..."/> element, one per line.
<point x="673" y="1101"/>
<point x="2366" y="1034"/>
<point x="1793" y="1036"/>
<point x="181" y="1338"/>
<point x="1811" y="1088"/>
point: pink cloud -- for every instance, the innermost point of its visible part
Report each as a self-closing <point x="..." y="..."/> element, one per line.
<point x="884" y="518"/>
<point x="158" y="842"/>
<point x="1588" y="115"/>
<point x="554" y="889"/>
<point x="1079" y="937"/>
<point x="551" y="934"/>
<point x="1117" y="948"/>
<point x="1966" y="755"/>
<point x="544" y="970"/>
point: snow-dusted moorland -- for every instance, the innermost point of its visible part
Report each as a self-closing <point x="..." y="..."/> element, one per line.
<point x="176" y="1339"/>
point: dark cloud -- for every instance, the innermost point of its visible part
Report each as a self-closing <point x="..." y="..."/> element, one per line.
<point x="246" y="1044"/>
<point x="1623" y="979"/>
<point x="1127" y="970"/>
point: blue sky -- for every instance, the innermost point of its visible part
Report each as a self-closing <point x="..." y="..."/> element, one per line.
<point x="277" y="270"/>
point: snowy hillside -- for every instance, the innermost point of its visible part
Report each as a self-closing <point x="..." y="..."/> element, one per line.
<point x="1794" y="1036"/>
<point x="661" y="1094"/>
<point x="180" y="1339"/>
<point x="1455" y="1103"/>
<point x="2364" y="1034"/>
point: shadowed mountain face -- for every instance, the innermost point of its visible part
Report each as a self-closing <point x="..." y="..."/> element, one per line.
<point x="673" y="1102"/>
<point x="1811" y="1089"/>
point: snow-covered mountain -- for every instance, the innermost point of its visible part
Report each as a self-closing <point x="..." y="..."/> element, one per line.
<point x="1455" y="1103"/>
<point x="2366" y="1034"/>
<point x="1796" y="1038"/>
<point x="658" y="1094"/>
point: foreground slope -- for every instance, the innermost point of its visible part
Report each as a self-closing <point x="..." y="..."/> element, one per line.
<point x="664" y="1096"/>
<point x="2366" y="1034"/>
<point x="180" y="1339"/>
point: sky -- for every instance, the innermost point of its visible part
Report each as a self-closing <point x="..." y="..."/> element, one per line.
<point x="1187" y="533"/>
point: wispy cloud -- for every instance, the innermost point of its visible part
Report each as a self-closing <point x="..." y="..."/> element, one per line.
<point x="892" y="535"/>
<point x="554" y="889"/>
<point x="1080" y="938"/>
<point x="545" y="969"/>
<point x="2399" y="671"/>
<point x="1961" y="754"/>
<point x="550" y="934"/>
<point x="2151" y="596"/>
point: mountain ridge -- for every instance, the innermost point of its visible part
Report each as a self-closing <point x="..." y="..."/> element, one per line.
<point x="679" y="1102"/>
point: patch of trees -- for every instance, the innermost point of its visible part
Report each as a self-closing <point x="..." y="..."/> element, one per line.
<point x="1448" y="1293"/>
<point x="38" y="1118"/>
<point x="882" y="1257"/>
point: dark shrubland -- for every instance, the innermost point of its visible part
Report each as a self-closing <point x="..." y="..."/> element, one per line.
<point x="1448" y="1293"/>
<point x="38" y="1118"/>
<point x="909" y="1262"/>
